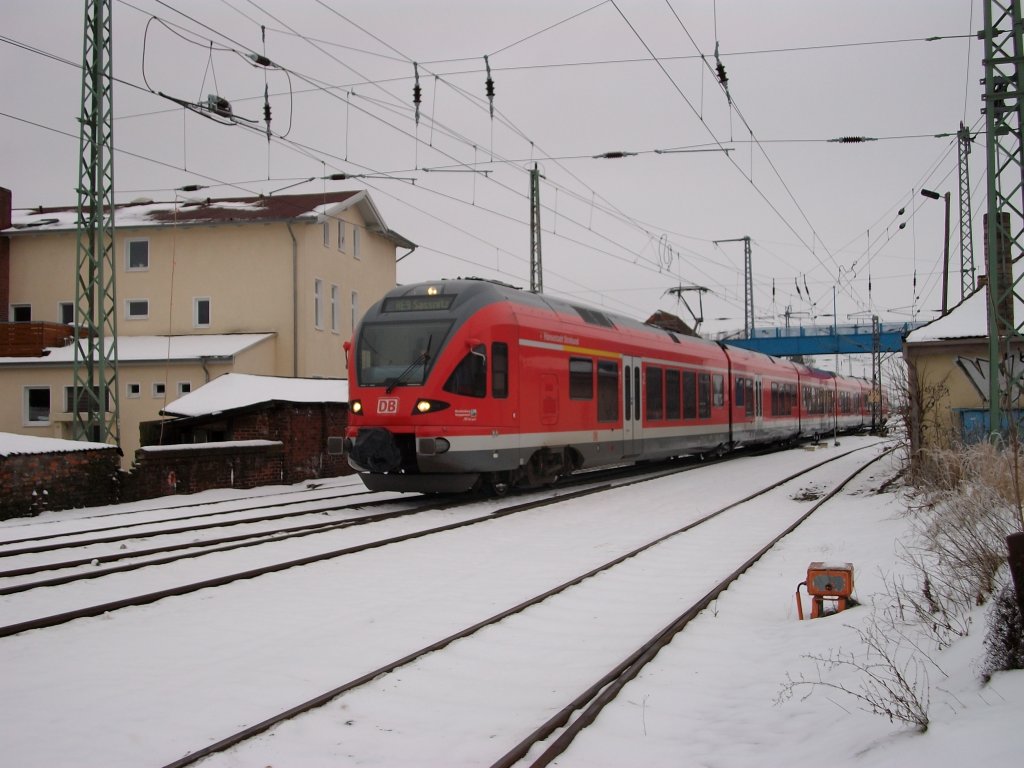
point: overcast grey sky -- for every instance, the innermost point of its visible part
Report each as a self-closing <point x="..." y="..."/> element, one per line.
<point x="572" y="79"/>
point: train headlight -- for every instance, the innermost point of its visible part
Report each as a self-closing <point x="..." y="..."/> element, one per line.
<point x="428" y="406"/>
<point x="356" y="406"/>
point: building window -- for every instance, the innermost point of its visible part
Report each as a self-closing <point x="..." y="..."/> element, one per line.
<point x="134" y="390"/>
<point x="83" y="400"/>
<point x="318" y="303"/>
<point x="137" y="255"/>
<point x="184" y="387"/>
<point x="341" y="235"/>
<point x="327" y="234"/>
<point x="335" y="308"/>
<point x="201" y="312"/>
<point x="137" y="309"/>
<point x="355" y="310"/>
<point x="66" y="312"/>
<point x="21" y="313"/>
<point x="159" y="389"/>
<point x="356" y="233"/>
<point x="37" y="406"/>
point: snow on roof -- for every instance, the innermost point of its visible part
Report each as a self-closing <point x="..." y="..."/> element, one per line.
<point x="135" y="349"/>
<point x="967" y="320"/>
<point x="13" y="445"/>
<point x="239" y="390"/>
<point x="235" y="210"/>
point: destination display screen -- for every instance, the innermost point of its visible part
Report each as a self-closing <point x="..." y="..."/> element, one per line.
<point x="419" y="303"/>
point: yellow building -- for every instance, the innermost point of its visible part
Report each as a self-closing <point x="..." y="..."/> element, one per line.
<point x="948" y="371"/>
<point x="267" y="285"/>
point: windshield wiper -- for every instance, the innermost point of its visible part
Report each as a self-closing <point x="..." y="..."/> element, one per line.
<point x="423" y="358"/>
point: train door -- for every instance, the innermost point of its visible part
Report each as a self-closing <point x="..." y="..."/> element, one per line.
<point x="632" y="427"/>
<point x="758" y="404"/>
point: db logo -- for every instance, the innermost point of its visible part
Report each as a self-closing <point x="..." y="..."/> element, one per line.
<point x="387" y="405"/>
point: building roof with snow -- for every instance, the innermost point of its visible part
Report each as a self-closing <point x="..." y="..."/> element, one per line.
<point x="240" y="390"/>
<point x="13" y="445"/>
<point x="143" y="349"/>
<point x="206" y="211"/>
<point x="967" y="320"/>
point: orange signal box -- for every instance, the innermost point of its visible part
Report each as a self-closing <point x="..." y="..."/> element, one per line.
<point x="830" y="583"/>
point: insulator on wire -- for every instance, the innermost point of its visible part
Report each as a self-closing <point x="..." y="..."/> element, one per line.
<point x="417" y="92"/>
<point x="266" y="108"/>
<point x="490" y="86"/>
<point x="852" y="139"/>
<point x="723" y="78"/>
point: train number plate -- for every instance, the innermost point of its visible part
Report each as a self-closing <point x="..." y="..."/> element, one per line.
<point x="387" y="405"/>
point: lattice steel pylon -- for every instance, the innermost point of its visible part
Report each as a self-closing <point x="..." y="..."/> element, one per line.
<point x="966" y="228"/>
<point x="748" y="284"/>
<point x="94" y="401"/>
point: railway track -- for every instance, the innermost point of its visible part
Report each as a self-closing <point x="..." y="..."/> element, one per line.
<point x="89" y="565"/>
<point x="576" y="713"/>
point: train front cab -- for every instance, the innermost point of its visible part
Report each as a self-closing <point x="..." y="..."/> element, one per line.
<point x="436" y="421"/>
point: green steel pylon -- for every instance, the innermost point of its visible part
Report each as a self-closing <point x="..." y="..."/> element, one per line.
<point x="95" y="401"/>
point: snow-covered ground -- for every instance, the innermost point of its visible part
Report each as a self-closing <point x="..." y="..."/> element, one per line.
<point x="141" y="687"/>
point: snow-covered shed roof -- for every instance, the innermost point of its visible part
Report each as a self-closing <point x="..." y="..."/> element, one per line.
<point x="13" y="445"/>
<point x="967" y="320"/>
<point x="233" y="210"/>
<point x="140" y="349"/>
<point x="240" y="390"/>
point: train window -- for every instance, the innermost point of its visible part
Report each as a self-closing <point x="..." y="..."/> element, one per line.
<point x="636" y="393"/>
<point x="748" y="397"/>
<point x="581" y="378"/>
<point x="689" y="395"/>
<point x="399" y="354"/>
<point x="655" y="404"/>
<point x="718" y="388"/>
<point x="776" y="406"/>
<point x="739" y="399"/>
<point x="499" y="370"/>
<point x="470" y="375"/>
<point x="607" y="390"/>
<point x="704" y="395"/>
<point x="672" y="395"/>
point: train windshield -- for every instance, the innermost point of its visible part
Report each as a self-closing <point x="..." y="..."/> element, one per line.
<point x="399" y="354"/>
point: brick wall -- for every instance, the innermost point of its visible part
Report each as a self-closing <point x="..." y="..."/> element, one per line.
<point x="33" y="483"/>
<point x="195" y="468"/>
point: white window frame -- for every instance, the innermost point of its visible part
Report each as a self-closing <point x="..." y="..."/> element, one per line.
<point x="195" y="312"/>
<point x="16" y="307"/>
<point x="133" y="390"/>
<point x="355" y="310"/>
<point x="327" y="233"/>
<point x="356" y="242"/>
<point x="26" y="414"/>
<point x="60" y="312"/>
<point x="341" y="235"/>
<point x="128" y="254"/>
<point x="128" y="315"/>
<point x="335" y="308"/>
<point x="318" y="303"/>
<point x="159" y="389"/>
<point x="184" y="387"/>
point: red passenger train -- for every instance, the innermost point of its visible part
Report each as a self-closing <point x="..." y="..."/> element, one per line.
<point x="470" y="383"/>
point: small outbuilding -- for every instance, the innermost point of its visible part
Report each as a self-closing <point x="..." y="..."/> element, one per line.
<point x="948" y="375"/>
<point x="242" y="430"/>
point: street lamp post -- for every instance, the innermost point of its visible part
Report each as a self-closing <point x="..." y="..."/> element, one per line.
<point x="945" y="248"/>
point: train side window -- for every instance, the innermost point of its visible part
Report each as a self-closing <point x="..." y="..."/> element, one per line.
<point x="689" y="395"/>
<point x="655" y="404"/>
<point x="776" y="403"/>
<point x="739" y="400"/>
<point x="470" y="375"/>
<point x="704" y="395"/>
<point x="718" y="388"/>
<point x="672" y="394"/>
<point x="581" y="378"/>
<point x="499" y="370"/>
<point x="748" y="387"/>
<point x="607" y="390"/>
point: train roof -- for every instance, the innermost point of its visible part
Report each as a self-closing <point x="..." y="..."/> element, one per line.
<point x="467" y="295"/>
